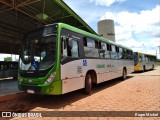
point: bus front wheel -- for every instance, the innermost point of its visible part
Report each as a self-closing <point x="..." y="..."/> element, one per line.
<point x="88" y="84"/>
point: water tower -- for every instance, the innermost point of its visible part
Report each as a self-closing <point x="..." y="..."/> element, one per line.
<point x="106" y="29"/>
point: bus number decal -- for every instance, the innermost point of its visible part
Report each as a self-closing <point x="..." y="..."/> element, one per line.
<point x="84" y="62"/>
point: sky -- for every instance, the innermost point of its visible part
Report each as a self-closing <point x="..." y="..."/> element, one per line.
<point x="137" y="22"/>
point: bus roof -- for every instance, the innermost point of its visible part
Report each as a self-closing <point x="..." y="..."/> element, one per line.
<point x="63" y="25"/>
<point x="145" y="53"/>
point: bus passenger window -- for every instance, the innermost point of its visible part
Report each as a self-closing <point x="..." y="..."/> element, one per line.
<point x="69" y="47"/>
<point x="108" y="47"/>
<point x="74" y="49"/>
<point x="143" y="57"/>
<point x="125" y="54"/>
<point x="104" y="52"/>
<point x="63" y="47"/>
<point x="117" y="52"/>
<point x="91" y="50"/>
<point x="120" y="56"/>
<point x="113" y="52"/>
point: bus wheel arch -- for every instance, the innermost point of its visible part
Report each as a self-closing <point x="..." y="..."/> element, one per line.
<point x="90" y="78"/>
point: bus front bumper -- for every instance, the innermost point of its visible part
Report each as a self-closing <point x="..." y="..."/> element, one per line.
<point x="53" y="89"/>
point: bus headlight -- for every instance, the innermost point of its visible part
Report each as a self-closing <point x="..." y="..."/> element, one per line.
<point x="50" y="79"/>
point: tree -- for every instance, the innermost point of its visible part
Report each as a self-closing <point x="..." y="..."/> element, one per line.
<point x="8" y="59"/>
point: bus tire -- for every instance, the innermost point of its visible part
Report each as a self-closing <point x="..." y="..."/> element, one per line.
<point x="88" y="84"/>
<point x="144" y="68"/>
<point x="124" y="74"/>
<point x="152" y="67"/>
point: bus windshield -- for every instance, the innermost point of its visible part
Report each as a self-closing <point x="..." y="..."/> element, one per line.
<point x="38" y="50"/>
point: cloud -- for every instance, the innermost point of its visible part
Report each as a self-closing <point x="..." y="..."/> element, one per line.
<point x="105" y="2"/>
<point x="140" y="31"/>
<point x="90" y="13"/>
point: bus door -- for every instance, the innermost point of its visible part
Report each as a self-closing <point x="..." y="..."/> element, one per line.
<point x="71" y="64"/>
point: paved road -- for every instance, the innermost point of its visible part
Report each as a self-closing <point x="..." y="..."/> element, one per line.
<point x="140" y="92"/>
<point x="8" y="86"/>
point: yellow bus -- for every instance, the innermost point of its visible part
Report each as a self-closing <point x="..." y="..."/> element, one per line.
<point x="143" y="61"/>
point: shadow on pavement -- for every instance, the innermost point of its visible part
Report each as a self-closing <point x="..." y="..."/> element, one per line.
<point x="142" y="71"/>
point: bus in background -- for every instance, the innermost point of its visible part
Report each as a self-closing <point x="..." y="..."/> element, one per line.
<point x="8" y="69"/>
<point x="59" y="58"/>
<point x="143" y="61"/>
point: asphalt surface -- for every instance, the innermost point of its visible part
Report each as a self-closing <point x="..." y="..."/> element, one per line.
<point x="8" y="86"/>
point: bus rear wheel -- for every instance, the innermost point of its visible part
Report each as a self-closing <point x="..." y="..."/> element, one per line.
<point x="144" y="68"/>
<point x="88" y="84"/>
<point x="152" y="67"/>
<point x="124" y="75"/>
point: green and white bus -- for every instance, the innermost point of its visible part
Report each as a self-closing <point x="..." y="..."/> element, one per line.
<point x="59" y="58"/>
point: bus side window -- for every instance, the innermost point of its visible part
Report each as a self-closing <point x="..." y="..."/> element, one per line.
<point x="129" y="54"/>
<point x="125" y="54"/>
<point x="120" y="56"/>
<point x="113" y="52"/>
<point x="143" y="58"/>
<point x="69" y="47"/>
<point x="140" y="57"/>
<point x="104" y="52"/>
<point x="74" y="49"/>
<point x="63" y="47"/>
<point x="90" y="47"/>
<point x="101" y="49"/>
<point x="146" y="58"/>
<point x="117" y="52"/>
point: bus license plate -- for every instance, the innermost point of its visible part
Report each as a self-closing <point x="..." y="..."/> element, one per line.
<point x="30" y="91"/>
